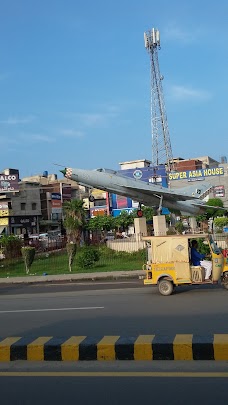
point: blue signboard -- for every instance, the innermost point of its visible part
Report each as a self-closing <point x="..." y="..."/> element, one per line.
<point x="154" y="175"/>
<point x="116" y="213"/>
<point x="55" y="196"/>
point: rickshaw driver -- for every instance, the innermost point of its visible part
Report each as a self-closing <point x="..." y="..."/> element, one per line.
<point x="198" y="260"/>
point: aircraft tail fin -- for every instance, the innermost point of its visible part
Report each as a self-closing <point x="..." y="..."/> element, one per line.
<point x="197" y="190"/>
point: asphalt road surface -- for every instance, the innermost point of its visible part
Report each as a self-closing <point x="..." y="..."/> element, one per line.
<point x="112" y="308"/>
<point x="117" y="308"/>
<point x="127" y="383"/>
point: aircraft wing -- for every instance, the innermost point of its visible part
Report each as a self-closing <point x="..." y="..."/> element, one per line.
<point x="156" y="190"/>
<point x="209" y="206"/>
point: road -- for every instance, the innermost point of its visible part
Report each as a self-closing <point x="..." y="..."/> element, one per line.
<point x="122" y="383"/>
<point x="112" y="308"/>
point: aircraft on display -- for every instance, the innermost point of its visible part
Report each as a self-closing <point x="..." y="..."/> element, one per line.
<point x="187" y="200"/>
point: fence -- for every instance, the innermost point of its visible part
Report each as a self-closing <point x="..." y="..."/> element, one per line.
<point x="128" y="253"/>
<point x="51" y="258"/>
<point x="133" y="243"/>
<point x="221" y="239"/>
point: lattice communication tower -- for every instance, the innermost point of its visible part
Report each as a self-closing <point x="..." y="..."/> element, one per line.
<point x="161" y="145"/>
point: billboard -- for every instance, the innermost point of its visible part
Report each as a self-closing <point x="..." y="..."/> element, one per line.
<point x="56" y="203"/>
<point x="98" y="211"/>
<point x="117" y="212"/>
<point x="8" y="183"/>
<point x="154" y="175"/>
<point x="199" y="174"/>
<point x="65" y="192"/>
<point x="24" y="221"/>
<point x="219" y="191"/>
<point x="4" y="209"/>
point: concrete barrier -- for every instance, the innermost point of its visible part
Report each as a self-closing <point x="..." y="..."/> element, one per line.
<point x="109" y="348"/>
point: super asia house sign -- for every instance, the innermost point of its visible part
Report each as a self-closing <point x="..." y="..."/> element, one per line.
<point x="200" y="174"/>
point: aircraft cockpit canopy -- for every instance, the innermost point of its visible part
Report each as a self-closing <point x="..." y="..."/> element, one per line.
<point x="102" y="170"/>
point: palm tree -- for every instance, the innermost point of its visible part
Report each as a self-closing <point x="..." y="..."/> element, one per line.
<point x="74" y="220"/>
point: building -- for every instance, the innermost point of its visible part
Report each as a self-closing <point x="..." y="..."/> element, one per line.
<point x="33" y="204"/>
<point x="20" y="207"/>
<point x="201" y="169"/>
<point x="53" y="193"/>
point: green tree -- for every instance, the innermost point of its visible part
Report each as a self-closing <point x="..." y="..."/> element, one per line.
<point x="101" y="223"/>
<point x="220" y="223"/>
<point x="74" y="220"/>
<point x="124" y="220"/>
<point x="214" y="212"/>
<point x="148" y="213"/>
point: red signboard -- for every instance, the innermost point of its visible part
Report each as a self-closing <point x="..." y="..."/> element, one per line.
<point x="56" y="204"/>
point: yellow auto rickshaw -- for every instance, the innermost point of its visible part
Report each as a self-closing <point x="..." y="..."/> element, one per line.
<point x="169" y="262"/>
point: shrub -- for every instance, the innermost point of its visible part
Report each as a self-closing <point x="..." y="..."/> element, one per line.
<point x="87" y="258"/>
<point x="11" y="246"/>
<point x="28" y="254"/>
<point x="171" y="231"/>
<point x="179" y="227"/>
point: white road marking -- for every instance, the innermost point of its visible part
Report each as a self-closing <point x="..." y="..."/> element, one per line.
<point x="49" y="309"/>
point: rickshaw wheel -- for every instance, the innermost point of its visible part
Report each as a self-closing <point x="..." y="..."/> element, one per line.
<point x="165" y="287"/>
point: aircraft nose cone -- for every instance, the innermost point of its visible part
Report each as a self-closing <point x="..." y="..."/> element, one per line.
<point x="63" y="171"/>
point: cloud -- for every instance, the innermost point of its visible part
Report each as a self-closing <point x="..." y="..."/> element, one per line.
<point x="182" y="93"/>
<point x="72" y="133"/>
<point x="18" y="121"/>
<point x="174" y="33"/>
<point x="94" y="119"/>
<point x="37" y="138"/>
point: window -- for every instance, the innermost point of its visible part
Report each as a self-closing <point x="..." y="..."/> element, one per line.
<point x="23" y="206"/>
<point x="33" y="206"/>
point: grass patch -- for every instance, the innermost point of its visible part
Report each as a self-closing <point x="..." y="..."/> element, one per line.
<point x="57" y="263"/>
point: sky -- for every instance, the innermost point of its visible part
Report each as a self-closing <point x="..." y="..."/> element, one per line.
<point x="75" y="81"/>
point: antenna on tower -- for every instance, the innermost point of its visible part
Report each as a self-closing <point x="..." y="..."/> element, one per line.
<point x="161" y="145"/>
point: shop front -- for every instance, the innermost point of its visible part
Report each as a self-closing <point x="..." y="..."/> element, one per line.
<point x="24" y="225"/>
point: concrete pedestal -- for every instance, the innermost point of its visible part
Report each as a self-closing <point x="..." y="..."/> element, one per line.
<point x="140" y="227"/>
<point x="192" y="223"/>
<point x="159" y="225"/>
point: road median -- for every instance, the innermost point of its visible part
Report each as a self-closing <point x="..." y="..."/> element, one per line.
<point x="109" y="348"/>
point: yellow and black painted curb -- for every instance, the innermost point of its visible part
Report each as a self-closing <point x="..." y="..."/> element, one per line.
<point x="142" y="347"/>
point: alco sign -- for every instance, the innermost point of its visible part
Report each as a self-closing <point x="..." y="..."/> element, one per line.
<point x="8" y="183"/>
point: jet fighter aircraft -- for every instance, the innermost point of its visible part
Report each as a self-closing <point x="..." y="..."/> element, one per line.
<point x="186" y="200"/>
